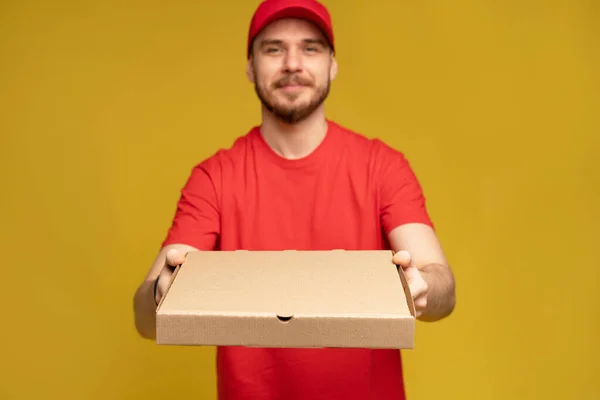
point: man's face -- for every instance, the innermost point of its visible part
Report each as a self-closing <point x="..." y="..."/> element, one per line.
<point x="291" y="67"/>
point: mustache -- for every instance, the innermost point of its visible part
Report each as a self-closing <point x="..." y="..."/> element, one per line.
<point x="292" y="79"/>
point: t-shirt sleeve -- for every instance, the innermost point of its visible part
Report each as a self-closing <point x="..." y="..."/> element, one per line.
<point x="197" y="217"/>
<point x="401" y="196"/>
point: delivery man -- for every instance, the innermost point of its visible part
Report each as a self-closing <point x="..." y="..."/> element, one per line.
<point x="301" y="181"/>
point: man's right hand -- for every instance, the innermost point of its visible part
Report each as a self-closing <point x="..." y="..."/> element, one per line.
<point x="173" y="259"/>
<point x="160" y="274"/>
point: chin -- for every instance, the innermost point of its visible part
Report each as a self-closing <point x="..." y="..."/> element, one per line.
<point x="293" y="107"/>
<point x="301" y="99"/>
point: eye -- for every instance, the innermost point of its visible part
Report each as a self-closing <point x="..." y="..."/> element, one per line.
<point x="313" y="48"/>
<point x="272" y="50"/>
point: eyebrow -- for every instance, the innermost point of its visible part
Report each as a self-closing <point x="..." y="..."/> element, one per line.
<point x="266" y="42"/>
<point x="315" y="41"/>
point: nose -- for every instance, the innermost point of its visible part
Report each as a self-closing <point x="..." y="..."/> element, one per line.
<point x="293" y="61"/>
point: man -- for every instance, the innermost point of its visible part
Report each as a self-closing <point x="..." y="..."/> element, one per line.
<point x="300" y="181"/>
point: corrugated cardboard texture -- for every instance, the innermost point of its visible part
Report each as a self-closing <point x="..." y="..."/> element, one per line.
<point x="287" y="299"/>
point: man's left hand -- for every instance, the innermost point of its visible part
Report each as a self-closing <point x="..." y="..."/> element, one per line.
<point x="416" y="284"/>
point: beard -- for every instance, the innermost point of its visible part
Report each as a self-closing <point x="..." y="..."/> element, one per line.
<point x="294" y="113"/>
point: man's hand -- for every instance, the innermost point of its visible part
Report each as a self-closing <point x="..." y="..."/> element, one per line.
<point x="416" y="284"/>
<point x="154" y="286"/>
<point x="173" y="259"/>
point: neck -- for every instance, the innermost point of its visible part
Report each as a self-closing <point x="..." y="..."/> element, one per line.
<point x="293" y="141"/>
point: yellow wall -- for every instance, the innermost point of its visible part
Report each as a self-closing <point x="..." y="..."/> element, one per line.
<point x="105" y="107"/>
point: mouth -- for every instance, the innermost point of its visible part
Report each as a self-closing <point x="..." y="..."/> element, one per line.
<point x="292" y="83"/>
<point x="293" y="86"/>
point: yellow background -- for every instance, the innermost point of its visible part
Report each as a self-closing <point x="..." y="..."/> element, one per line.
<point x="106" y="106"/>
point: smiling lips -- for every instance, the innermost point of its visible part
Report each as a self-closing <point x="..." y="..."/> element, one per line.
<point x="291" y="83"/>
<point x="292" y="86"/>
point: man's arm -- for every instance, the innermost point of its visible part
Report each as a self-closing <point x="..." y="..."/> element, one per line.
<point x="410" y="232"/>
<point x="196" y="223"/>
<point x="435" y="297"/>
<point x="144" y="302"/>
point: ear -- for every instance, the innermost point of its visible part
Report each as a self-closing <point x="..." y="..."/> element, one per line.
<point x="333" y="69"/>
<point x="250" y="71"/>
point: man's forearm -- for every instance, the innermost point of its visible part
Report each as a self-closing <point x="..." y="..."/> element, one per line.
<point x="441" y="296"/>
<point x="145" y="310"/>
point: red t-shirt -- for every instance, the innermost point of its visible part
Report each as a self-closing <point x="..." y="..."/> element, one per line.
<point x="347" y="194"/>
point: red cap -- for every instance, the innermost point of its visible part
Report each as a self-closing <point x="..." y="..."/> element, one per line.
<point x="271" y="10"/>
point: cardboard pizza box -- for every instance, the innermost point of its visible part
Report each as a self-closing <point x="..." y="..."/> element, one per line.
<point x="287" y="298"/>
